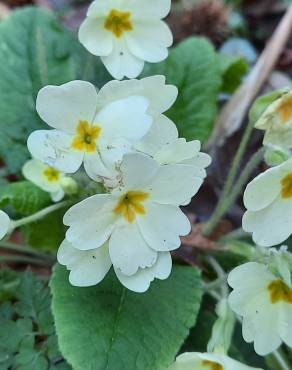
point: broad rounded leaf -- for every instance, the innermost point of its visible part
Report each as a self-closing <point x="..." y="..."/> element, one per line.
<point x="35" y="51"/>
<point x="110" y="327"/>
<point x="193" y="67"/>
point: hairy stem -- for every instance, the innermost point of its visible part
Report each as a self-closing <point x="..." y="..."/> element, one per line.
<point x="221" y="275"/>
<point x="281" y="360"/>
<point x="38" y="215"/>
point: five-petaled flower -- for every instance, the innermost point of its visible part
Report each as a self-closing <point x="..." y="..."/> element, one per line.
<point x="264" y="300"/>
<point x="85" y="133"/>
<point x="46" y="177"/>
<point x="141" y="219"/>
<point x="207" y="361"/>
<point x="161" y="142"/>
<point x="268" y="199"/>
<point x="126" y="33"/>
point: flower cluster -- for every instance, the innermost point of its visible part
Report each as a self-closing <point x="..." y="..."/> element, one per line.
<point x="123" y="139"/>
<point x="262" y="289"/>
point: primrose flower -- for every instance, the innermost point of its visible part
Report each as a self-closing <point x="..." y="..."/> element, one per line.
<point x="181" y="152"/>
<point x="99" y="138"/>
<point x="264" y="300"/>
<point x="45" y="177"/>
<point x="276" y="121"/>
<point x="140" y="218"/>
<point x="161" y="142"/>
<point x="126" y="33"/>
<point x="207" y="361"/>
<point x="4" y="224"/>
<point x="160" y="96"/>
<point x="268" y="199"/>
<point x="89" y="267"/>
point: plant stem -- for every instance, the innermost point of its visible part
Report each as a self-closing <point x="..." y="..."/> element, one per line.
<point x="25" y="259"/>
<point x="231" y="175"/>
<point x="229" y="197"/>
<point x="281" y="360"/>
<point x="221" y="275"/>
<point x="235" y="234"/>
<point x="215" y="284"/>
<point x="38" y="215"/>
<point x="25" y="249"/>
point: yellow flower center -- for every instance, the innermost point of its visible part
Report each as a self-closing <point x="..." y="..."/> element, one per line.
<point x="212" y="365"/>
<point x="287" y="186"/>
<point x="118" y="22"/>
<point x="285" y="109"/>
<point x="86" y="137"/>
<point x="52" y="174"/>
<point x="280" y="291"/>
<point x="130" y="204"/>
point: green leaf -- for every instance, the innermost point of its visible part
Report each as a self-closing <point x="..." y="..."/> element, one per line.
<point x="34" y="298"/>
<point x="110" y="327"/>
<point x="27" y="336"/>
<point x="48" y="233"/>
<point x="193" y="67"/>
<point x="9" y="281"/>
<point x="35" y="51"/>
<point x="24" y="196"/>
<point x="232" y="69"/>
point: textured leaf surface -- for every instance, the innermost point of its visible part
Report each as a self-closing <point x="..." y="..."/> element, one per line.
<point x="24" y="196"/>
<point x="193" y="67"/>
<point x="30" y="58"/>
<point x="35" y="51"/>
<point x="109" y="327"/>
<point x="27" y="336"/>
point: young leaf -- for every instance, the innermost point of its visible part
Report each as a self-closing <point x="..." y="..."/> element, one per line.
<point x="193" y="67"/>
<point x="110" y="327"/>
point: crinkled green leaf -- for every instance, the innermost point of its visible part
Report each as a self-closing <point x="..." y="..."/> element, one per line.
<point x="110" y="327"/>
<point x="24" y="196"/>
<point x="232" y="69"/>
<point x="193" y="67"/>
<point x="35" y="51"/>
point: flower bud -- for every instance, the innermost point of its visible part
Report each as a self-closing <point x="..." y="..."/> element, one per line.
<point x="69" y="185"/>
